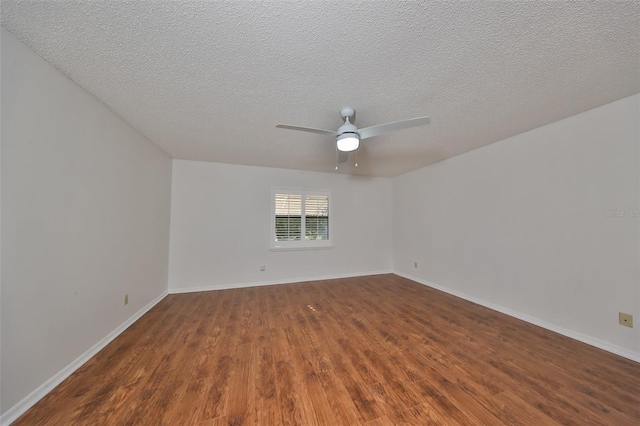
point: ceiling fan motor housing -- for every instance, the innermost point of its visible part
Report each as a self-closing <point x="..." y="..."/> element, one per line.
<point x="348" y="128"/>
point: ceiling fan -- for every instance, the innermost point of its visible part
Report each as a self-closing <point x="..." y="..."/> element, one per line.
<point x="348" y="136"/>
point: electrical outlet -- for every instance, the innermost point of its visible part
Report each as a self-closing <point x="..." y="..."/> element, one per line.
<point x="263" y="268"/>
<point x="126" y="299"/>
<point x="415" y="264"/>
<point x="625" y="319"/>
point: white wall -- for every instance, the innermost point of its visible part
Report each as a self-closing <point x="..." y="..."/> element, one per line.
<point x="85" y="220"/>
<point x="523" y="225"/>
<point x="220" y="226"/>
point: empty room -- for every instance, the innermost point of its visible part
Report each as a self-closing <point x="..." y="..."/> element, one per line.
<point x="319" y="213"/>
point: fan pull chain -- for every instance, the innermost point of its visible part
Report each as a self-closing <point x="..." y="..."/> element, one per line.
<point x="337" y="157"/>
<point x="356" y="158"/>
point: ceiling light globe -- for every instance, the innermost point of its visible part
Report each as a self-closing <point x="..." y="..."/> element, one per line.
<point x="348" y="142"/>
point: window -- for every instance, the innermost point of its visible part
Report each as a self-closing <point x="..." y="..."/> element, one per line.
<point x="300" y="219"/>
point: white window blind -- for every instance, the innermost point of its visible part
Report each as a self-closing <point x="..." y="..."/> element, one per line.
<point x="300" y="219"/>
<point x="316" y="217"/>
<point x="288" y="217"/>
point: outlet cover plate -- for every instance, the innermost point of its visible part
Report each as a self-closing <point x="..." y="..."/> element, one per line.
<point x="625" y="319"/>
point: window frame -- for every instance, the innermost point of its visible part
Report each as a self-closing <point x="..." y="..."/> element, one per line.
<point x="302" y="244"/>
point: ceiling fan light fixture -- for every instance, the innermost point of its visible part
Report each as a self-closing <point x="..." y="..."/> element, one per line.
<point x="348" y="142"/>
<point x="348" y="135"/>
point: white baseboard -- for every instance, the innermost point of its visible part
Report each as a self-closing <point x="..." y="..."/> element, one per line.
<point x="29" y="401"/>
<point x="274" y="282"/>
<point x="601" y="344"/>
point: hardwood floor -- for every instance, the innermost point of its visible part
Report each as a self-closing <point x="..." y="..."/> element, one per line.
<point x="379" y="350"/>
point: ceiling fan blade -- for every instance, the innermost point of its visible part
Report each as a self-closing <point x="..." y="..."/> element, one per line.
<point x="307" y="129"/>
<point x="343" y="156"/>
<point x="380" y="129"/>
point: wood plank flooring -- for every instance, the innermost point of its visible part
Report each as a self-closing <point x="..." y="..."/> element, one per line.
<point x="378" y="350"/>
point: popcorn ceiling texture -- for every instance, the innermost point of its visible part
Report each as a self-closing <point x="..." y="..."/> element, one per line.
<point x="210" y="80"/>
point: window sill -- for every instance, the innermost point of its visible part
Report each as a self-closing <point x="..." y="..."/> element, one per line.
<point x="296" y="248"/>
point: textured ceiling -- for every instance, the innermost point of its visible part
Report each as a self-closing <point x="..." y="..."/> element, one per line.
<point x="210" y="80"/>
